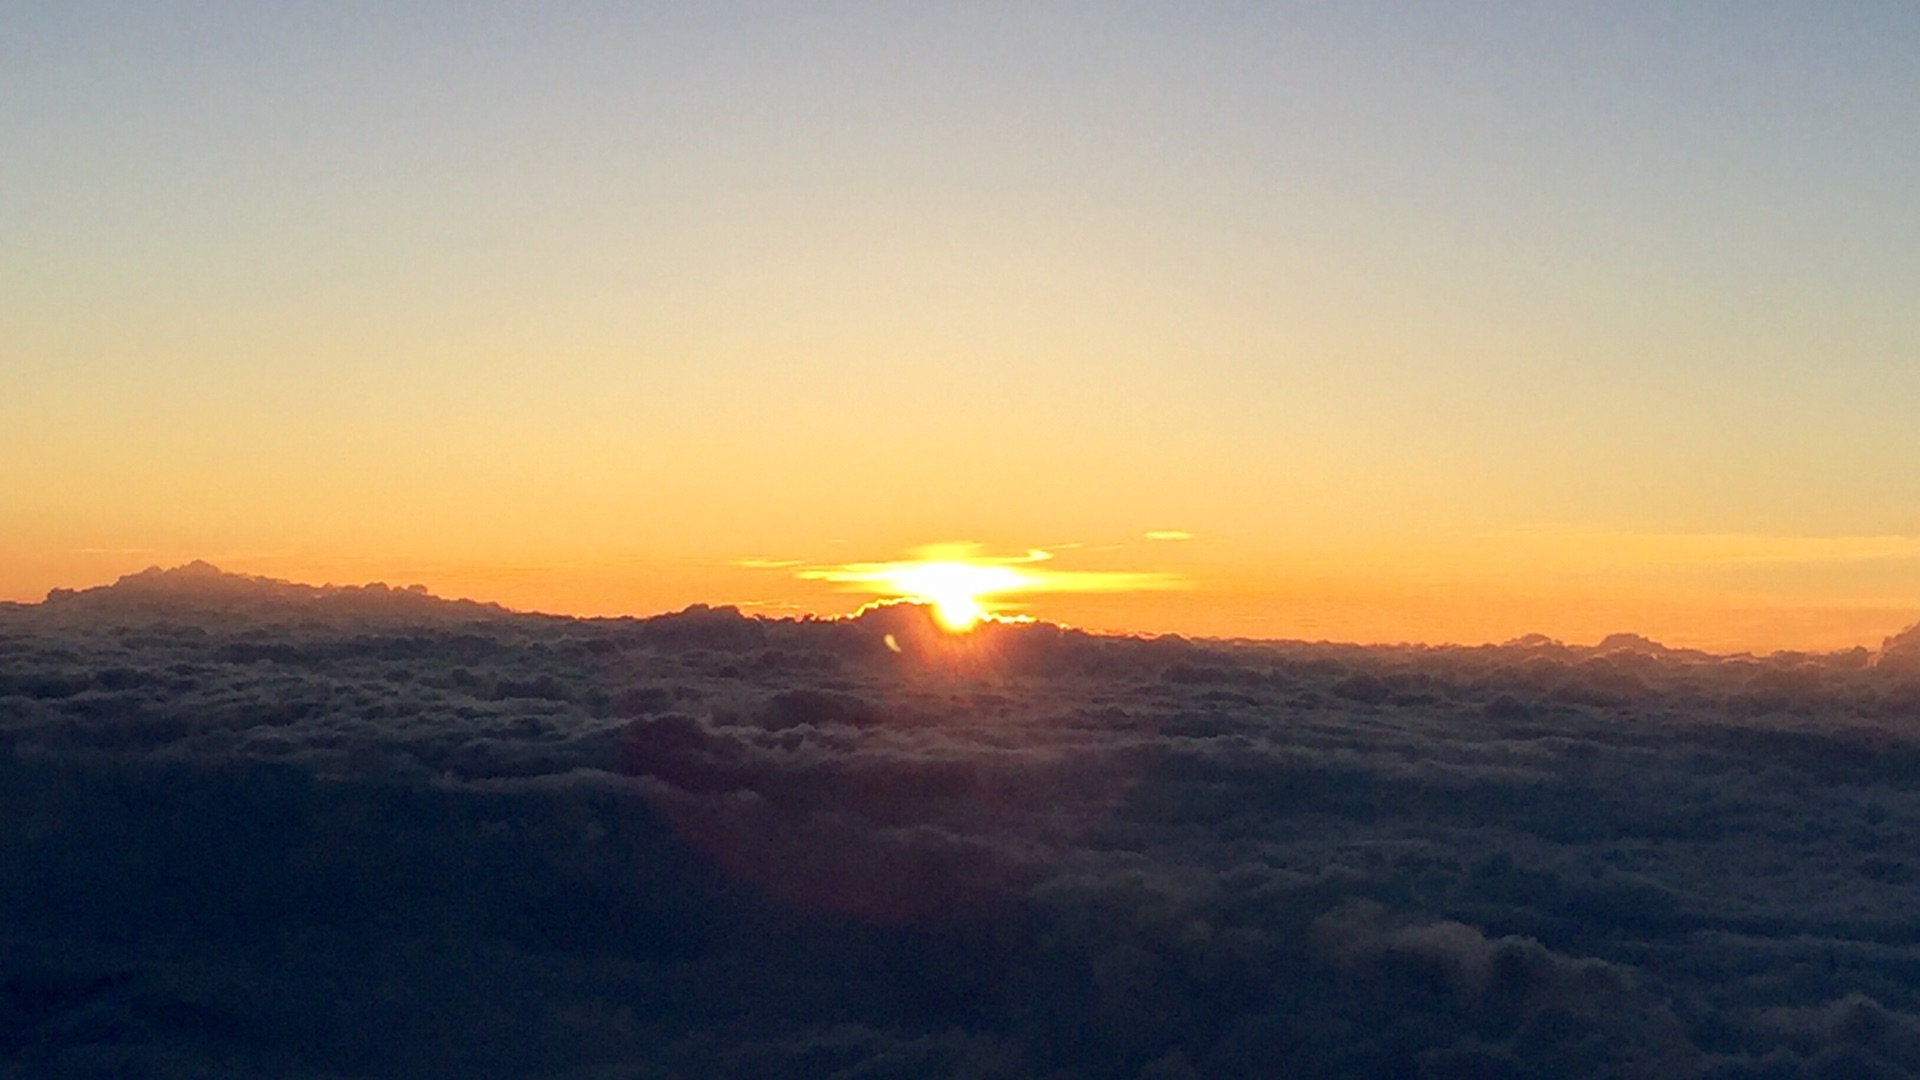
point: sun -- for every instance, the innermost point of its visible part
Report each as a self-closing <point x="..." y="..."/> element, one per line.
<point x="955" y="590"/>
<point x="965" y="586"/>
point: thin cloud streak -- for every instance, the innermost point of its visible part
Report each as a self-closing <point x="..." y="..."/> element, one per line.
<point x="1000" y="570"/>
<point x="967" y="584"/>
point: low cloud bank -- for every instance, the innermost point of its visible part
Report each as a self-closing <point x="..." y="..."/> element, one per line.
<point x="430" y="839"/>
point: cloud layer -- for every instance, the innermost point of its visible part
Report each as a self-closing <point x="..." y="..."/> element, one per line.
<point x="366" y="833"/>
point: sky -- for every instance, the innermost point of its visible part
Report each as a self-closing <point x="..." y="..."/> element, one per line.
<point x="1440" y="322"/>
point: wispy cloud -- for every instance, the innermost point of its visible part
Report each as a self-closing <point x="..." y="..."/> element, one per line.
<point x="1001" y="574"/>
<point x="965" y="584"/>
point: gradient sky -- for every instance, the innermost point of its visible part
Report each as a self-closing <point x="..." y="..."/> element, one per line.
<point x="1436" y="322"/>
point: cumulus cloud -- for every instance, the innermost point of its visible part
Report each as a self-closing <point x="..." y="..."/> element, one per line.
<point x="1902" y="650"/>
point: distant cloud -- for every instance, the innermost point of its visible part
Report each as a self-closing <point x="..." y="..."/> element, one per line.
<point x="1169" y="534"/>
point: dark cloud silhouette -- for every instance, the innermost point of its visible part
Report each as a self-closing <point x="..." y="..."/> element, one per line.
<point x="202" y="591"/>
<point x="253" y="828"/>
<point x="1901" y="651"/>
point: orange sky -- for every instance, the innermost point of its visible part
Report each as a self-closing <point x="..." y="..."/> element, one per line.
<point x="1447" y="327"/>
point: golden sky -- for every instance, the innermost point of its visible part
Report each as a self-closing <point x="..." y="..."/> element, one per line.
<point x="1447" y="324"/>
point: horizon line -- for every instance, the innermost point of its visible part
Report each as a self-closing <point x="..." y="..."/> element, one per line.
<point x="1533" y="639"/>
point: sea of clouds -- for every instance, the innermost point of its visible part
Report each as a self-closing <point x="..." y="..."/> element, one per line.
<point x="251" y="828"/>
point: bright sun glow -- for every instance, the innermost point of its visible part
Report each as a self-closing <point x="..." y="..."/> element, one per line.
<point x="961" y="585"/>
<point x="956" y="590"/>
